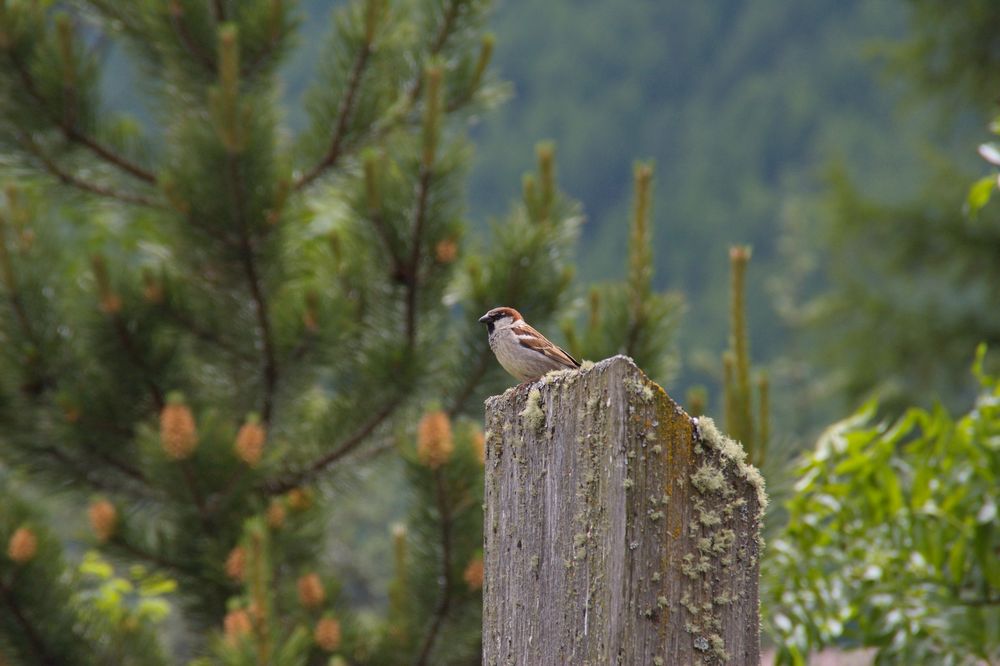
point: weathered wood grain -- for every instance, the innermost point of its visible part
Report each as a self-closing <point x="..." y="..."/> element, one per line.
<point x="619" y="530"/>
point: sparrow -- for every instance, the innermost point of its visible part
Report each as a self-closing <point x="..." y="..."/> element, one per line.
<point x="520" y="349"/>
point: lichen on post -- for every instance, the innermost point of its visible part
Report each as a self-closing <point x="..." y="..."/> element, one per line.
<point x="619" y="530"/>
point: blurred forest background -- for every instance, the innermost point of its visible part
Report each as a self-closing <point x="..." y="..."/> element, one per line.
<point x="837" y="139"/>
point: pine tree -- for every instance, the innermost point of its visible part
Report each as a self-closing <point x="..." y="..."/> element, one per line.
<point x="209" y="323"/>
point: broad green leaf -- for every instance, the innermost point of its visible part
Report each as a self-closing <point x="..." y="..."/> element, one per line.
<point x="890" y="486"/>
<point x="956" y="561"/>
<point x="154" y="610"/>
<point x="93" y="565"/>
<point x="157" y="586"/>
<point x="980" y="193"/>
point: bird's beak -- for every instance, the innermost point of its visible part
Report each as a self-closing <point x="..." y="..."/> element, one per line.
<point x="485" y="318"/>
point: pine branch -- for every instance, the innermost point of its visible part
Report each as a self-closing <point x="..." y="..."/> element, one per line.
<point x="187" y="41"/>
<point x="196" y="496"/>
<point x="446" y="28"/>
<point x="73" y="180"/>
<point x="22" y="315"/>
<point x="312" y="470"/>
<point x="10" y="279"/>
<point x="437" y="44"/>
<point x="220" y="10"/>
<point x="30" y="632"/>
<point x="73" y="134"/>
<point x="129" y="346"/>
<point x="204" y="334"/>
<point x="376" y="217"/>
<point x="413" y="269"/>
<point x="82" y="473"/>
<point x="444" y="603"/>
<point x="251" y="68"/>
<point x="151" y="557"/>
<point x="247" y="256"/>
<point x="334" y="152"/>
<point x="123" y="467"/>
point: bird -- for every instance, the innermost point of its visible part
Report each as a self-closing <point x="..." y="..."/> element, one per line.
<point x="521" y="350"/>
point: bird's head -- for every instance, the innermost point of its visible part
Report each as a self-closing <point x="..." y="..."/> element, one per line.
<point x="503" y="317"/>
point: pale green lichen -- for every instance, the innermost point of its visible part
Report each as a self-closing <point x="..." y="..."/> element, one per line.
<point x="533" y="414"/>
<point x="709" y="518"/>
<point x="640" y="388"/>
<point x="723" y="540"/>
<point x="553" y="376"/>
<point x="693" y="571"/>
<point x="719" y="647"/>
<point x="732" y="451"/>
<point x="655" y="515"/>
<point x="586" y="365"/>
<point x="708" y="479"/>
<point x="628" y="483"/>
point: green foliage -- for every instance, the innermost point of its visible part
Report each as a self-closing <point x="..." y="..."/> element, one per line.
<point x="649" y="319"/>
<point x="892" y="538"/>
<point x="740" y="105"/>
<point x="221" y="327"/>
<point x="910" y="293"/>
<point x="953" y="50"/>
<point x="55" y="615"/>
<point x="908" y="274"/>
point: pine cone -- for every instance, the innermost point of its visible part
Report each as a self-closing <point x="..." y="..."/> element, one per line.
<point x="327" y="634"/>
<point x="22" y="546"/>
<point x="178" y="435"/>
<point x="153" y="292"/>
<point x="236" y="563"/>
<point x="250" y="441"/>
<point x="103" y="519"/>
<point x="237" y="624"/>
<point x="434" y="442"/>
<point x="446" y="251"/>
<point x="300" y="499"/>
<point x="111" y="304"/>
<point x="473" y="575"/>
<point x="276" y="515"/>
<point x="311" y="592"/>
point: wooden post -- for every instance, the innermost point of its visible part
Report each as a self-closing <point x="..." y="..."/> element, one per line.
<point x="619" y="530"/>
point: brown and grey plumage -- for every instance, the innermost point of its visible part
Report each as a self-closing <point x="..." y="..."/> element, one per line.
<point x="521" y="350"/>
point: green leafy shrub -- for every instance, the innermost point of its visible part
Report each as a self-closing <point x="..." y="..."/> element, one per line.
<point x="893" y="541"/>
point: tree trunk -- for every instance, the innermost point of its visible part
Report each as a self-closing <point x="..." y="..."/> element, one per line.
<point x="619" y="530"/>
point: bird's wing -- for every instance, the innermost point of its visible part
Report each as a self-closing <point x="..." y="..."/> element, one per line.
<point x="535" y="341"/>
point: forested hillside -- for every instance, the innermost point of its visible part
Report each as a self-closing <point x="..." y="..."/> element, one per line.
<point x="744" y="107"/>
